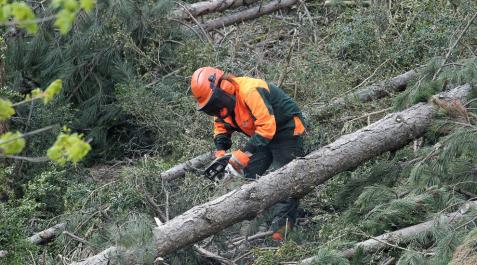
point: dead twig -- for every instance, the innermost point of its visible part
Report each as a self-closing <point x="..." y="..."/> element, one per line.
<point x="155" y="207"/>
<point x="77" y="238"/>
<point x="204" y="252"/>
<point x="287" y="62"/>
<point x="367" y="115"/>
<point x="196" y="22"/>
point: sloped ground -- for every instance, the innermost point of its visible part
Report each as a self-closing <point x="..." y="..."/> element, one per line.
<point x="353" y="47"/>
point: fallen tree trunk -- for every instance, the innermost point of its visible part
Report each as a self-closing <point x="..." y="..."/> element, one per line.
<point x="47" y="235"/>
<point x="372" y="92"/>
<point x="400" y="236"/>
<point x="247" y="14"/>
<point x="180" y="170"/>
<point x="207" y="7"/>
<point x="295" y="179"/>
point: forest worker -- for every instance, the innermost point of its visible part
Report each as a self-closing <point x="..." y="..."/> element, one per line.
<point x="262" y="111"/>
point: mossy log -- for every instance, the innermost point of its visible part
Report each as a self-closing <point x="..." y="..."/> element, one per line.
<point x="296" y="179"/>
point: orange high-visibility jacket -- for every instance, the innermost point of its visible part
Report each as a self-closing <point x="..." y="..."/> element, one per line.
<point x="261" y="111"/>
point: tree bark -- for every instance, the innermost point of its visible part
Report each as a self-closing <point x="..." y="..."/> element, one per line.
<point x="47" y="235"/>
<point x="247" y="14"/>
<point x="207" y="7"/>
<point x="180" y="169"/>
<point x="400" y="236"/>
<point x="296" y="178"/>
<point x="372" y="92"/>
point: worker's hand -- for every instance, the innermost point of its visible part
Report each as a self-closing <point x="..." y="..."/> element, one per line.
<point x="219" y="153"/>
<point x="239" y="160"/>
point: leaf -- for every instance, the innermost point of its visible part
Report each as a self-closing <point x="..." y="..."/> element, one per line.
<point x="68" y="147"/>
<point x="64" y="20"/>
<point x="6" y="109"/>
<point x="24" y="15"/>
<point x="12" y="143"/>
<point x="53" y="89"/>
<point x="36" y="93"/>
<point x="56" y="3"/>
<point x="5" y="12"/>
<point x="87" y="5"/>
<point x="71" y="5"/>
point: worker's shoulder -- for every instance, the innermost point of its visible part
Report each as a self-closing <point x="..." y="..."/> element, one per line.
<point x="248" y="84"/>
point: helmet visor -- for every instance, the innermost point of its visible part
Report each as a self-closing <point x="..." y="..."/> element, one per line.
<point x="217" y="102"/>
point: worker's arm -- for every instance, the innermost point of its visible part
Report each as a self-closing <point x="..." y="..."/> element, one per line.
<point x="258" y="102"/>
<point x="222" y="136"/>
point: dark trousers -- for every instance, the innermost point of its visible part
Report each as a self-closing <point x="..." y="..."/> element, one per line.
<point x="279" y="152"/>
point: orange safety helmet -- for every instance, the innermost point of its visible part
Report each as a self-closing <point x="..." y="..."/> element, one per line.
<point x="211" y="98"/>
<point x="201" y="85"/>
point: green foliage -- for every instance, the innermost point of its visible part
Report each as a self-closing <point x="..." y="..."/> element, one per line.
<point x="116" y="67"/>
<point x="374" y="195"/>
<point x="385" y="172"/>
<point x="22" y="13"/>
<point x="47" y="191"/>
<point x="135" y="234"/>
<point x="290" y="251"/>
<point x="115" y="44"/>
<point x="14" y="231"/>
<point x="68" y="147"/>
<point x="12" y="143"/>
<point x="329" y="257"/>
<point x="170" y="118"/>
<point x="26" y="18"/>
<point x="397" y="213"/>
<point x="6" y="109"/>
<point x="412" y="258"/>
<point x="53" y="89"/>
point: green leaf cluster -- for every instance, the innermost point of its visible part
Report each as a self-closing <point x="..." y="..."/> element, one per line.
<point x="12" y="143"/>
<point x="68" y="147"/>
<point x="69" y="9"/>
<point x="6" y="109"/>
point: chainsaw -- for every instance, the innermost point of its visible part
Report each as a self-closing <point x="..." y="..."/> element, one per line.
<point x="220" y="169"/>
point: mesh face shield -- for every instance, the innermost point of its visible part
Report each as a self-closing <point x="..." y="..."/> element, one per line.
<point x="218" y="101"/>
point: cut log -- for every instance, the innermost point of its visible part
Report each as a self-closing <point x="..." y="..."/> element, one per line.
<point x="42" y="237"/>
<point x="180" y="170"/>
<point x="247" y="14"/>
<point x="296" y="178"/>
<point x="207" y="7"/>
<point x="372" y="92"/>
<point x="400" y="236"/>
<point x="47" y="235"/>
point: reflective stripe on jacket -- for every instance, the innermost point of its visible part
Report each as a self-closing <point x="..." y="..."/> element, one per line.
<point x="261" y="110"/>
